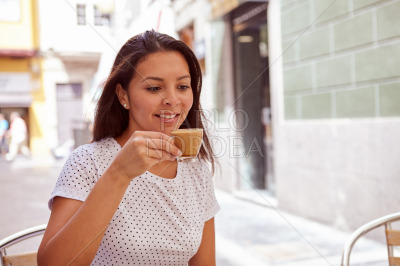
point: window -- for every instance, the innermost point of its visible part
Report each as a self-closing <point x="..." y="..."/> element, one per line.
<point x="100" y="18"/>
<point x="81" y="14"/>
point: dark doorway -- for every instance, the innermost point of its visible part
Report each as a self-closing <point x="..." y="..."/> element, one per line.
<point x="252" y="95"/>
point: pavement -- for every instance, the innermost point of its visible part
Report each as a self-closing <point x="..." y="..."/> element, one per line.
<point x="247" y="232"/>
<point x="252" y="234"/>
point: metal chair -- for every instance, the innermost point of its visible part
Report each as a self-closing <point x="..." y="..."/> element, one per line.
<point x="392" y="238"/>
<point x="22" y="259"/>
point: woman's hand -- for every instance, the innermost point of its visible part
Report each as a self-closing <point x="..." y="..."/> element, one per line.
<point x="143" y="150"/>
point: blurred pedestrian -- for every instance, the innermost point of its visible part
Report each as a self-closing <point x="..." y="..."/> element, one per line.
<point x="3" y="130"/>
<point x="19" y="137"/>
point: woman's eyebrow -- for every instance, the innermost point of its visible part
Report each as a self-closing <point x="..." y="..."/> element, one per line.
<point x="184" y="77"/>
<point x="161" y="79"/>
<point x="153" y="78"/>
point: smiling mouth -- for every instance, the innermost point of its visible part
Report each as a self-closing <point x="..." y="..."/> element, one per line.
<point x="165" y="116"/>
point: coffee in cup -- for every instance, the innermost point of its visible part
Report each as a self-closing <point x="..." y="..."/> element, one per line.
<point x="189" y="141"/>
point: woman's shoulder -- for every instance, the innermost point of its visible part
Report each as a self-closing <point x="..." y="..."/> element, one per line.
<point x="101" y="147"/>
<point x="93" y="155"/>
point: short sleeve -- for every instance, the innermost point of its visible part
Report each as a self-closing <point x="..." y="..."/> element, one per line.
<point x="77" y="177"/>
<point x="212" y="206"/>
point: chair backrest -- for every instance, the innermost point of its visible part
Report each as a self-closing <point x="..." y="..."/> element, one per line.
<point x="392" y="238"/>
<point x="22" y="259"/>
<point x="25" y="259"/>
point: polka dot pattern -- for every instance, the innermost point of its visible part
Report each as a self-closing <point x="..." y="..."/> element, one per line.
<point x="158" y="222"/>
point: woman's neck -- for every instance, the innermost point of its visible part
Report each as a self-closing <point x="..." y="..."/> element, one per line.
<point x="124" y="137"/>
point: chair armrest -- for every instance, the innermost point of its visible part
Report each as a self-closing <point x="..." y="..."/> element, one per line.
<point x="22" y="235"/>
<point x="362" y="231"/>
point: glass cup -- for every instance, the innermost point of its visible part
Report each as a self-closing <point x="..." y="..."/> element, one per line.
<point x="189" y="141"/>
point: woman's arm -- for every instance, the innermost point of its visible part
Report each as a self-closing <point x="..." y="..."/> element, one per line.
<point x="75" y="228"/>
<point x="206" y="253"/>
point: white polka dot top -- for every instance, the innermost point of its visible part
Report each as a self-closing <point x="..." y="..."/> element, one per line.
<point x="158" y="222"/>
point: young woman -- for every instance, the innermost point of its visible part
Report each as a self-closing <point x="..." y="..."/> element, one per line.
<point x="124" y="199"/>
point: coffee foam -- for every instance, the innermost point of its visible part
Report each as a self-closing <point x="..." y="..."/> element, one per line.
<point x="188" y="140"/>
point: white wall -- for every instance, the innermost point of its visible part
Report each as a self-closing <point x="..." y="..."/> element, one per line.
<point x="59" y="30"/>
<point x="71" y="54"/>
<point x="343" y="172"/>
<point x="158" y="16"/>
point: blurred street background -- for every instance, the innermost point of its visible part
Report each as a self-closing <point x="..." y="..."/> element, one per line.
<point x="302" y="96"/>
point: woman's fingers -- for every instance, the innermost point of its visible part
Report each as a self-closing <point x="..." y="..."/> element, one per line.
<point x="154" y="135"/>
<point x="159" y="155"/>
<point x="159" y="142"/>
<point x="164" y="146"/>
<point x="143" y="150"/>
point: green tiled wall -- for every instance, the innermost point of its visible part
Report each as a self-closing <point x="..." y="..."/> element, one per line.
<point x="334" y="71"/>
<point x="289" y="51"/>
<point x="291" y="106"/>
<point x="379" y="63"/>
<point x="345" y="62"/>
<point x="308" y="47"/>
<point x="328" y="9"/>
<point x="363" y="3"/>
<point x="296" y="18"/>
<point x="354" y="31"/>
<point x="316" y="106"/>
<point x="287" y="2"/>
<point x="388" y="18"/>
<point x="389" y="96"/>
<point x="298" y="78"/>
<point x="356" y="103"/>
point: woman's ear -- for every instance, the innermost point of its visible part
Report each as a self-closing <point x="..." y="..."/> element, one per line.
<point x="122" y="96"/>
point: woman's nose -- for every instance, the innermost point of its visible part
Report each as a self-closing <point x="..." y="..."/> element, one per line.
<point x="170" y="98"/>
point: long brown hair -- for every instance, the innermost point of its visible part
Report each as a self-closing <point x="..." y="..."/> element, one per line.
<point x="111" y="119"/>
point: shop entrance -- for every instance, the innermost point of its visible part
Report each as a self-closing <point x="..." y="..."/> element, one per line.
<point x="252" y="94"/>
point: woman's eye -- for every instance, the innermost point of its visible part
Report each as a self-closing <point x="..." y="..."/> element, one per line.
<point x="153" y="89"/>
<point x="183" y="87"/>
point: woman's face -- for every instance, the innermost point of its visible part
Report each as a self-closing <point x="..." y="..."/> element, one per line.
<point x="160" y="95"/>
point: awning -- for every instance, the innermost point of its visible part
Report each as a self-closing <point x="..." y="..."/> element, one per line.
<point x="15" y="100"/>
<point x="15" y="89"/>
<point x="17" y="53"/>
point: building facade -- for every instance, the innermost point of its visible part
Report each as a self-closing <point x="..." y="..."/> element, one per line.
<point x="49" y="56"/>
<point x="336" y="141"/>
<point x="307" y="98"/>
<point x="71" y="54"/>
<point x="20" y="64"/>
